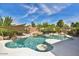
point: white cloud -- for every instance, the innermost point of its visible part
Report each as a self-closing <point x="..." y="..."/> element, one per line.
<point x="46" y="9"/>
<point x="31" y="10"/>
<point x="49" y="10"/>
<point x="26" y="6"/>
<point x="36" y="17"/>
<point x="71" y="19"/>
<point x="58" y="8"/>
<point x="53" y="8"/>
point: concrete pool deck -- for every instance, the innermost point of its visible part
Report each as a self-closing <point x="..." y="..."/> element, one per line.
<point x="66" y="48"/>
<point x="62" y="48"/>
<point x="4" y="51"/>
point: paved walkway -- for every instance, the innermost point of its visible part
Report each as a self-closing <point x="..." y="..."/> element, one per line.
<point x="66" y="48"/>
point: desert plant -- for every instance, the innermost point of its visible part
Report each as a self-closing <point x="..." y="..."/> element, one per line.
<point x="6" y="21"/>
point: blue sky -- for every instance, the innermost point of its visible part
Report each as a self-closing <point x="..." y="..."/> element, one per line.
<point x="40" y="12"/>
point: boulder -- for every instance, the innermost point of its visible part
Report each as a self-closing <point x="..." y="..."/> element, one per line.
<point x="6" y="38"/>
<point x="1" y="38"/>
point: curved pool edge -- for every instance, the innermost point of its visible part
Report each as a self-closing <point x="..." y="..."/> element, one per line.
<point x="52" y="41"/>
<point x="3" y="42"/>
<point x="49" y="41"/>
<point x="27" y="51"/>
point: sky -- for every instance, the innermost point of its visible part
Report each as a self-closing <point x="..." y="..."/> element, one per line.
<point x="25" y="13"/>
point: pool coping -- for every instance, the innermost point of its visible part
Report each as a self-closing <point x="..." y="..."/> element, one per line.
<point x="28" y="50"/>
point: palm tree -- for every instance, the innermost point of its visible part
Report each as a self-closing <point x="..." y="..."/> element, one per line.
<point x="6" y="21"/>
<point x="1" y="21"/>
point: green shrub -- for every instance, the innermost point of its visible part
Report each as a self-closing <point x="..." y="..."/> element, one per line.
<point x="19" y="33"/>
<point x="6" y="32"/>
<point x="74" y="31"/>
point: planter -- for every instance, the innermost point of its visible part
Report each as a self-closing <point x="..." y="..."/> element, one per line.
<point x="41" y="47"/>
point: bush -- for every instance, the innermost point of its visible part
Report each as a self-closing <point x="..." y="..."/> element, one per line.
<point x="6" y="32"/>
<point x="74" y="32"/>
<point x="19" y="33"/>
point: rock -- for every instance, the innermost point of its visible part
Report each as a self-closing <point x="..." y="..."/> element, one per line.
<point x="1" y="38"/>
<point x="6" y="38"/>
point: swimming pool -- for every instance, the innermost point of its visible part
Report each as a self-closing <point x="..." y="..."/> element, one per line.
<point x="31" y="42"/>
<point x="58" y="37"/>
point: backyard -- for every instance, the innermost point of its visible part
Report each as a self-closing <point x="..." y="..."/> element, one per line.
<point x="57" y="37"/>
<point x="38" y="37"/>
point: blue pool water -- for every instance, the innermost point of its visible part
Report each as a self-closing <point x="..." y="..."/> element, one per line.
<point x="31" y="42"/>
<point x="58" y="37"/>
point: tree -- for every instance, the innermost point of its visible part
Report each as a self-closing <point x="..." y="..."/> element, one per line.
<point x="72" y="24"/>
<point x="75" y="29"/>
<point x="1" y="21"/>
<point x="5" y="21"/>
<point x="60" y="23"/>
<point x="66" y="26"/>
<point x="77" y="24"/>
<point x="33" y="24"/>
<point x="39" y="26"/>
<point x="45" y="24"/>
<point x="53" y="25"/>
